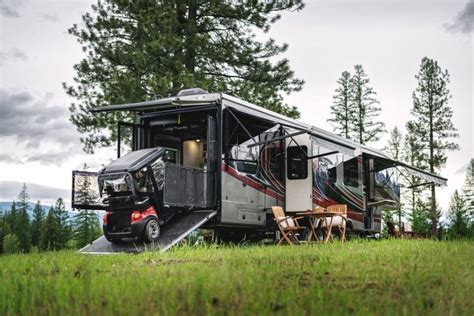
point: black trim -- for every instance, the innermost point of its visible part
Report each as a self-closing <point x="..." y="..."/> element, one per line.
<point x="179" y="111"/>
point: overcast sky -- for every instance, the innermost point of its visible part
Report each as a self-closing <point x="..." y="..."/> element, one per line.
<point x="389" y="38"/>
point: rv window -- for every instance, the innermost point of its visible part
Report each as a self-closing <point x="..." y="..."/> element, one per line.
<point x="246" y="167"/>
<point x="276" y="161"/>
<point x="326" y="165"/>
<point x="351" y="173"/>
<point x="243" y="158"/>
<point x="388" y="179"/>
<point x="297" y="163"/>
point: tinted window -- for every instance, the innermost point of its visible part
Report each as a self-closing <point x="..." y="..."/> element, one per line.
<point x="142" y="181"/>
<point x="297" y="164"/>
<point x="158" y="168"/>
<point x="351" y="172"/>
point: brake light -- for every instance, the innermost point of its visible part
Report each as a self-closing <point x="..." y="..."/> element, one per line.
<point x="104" y="219"/>
<point x="138" y="216"/>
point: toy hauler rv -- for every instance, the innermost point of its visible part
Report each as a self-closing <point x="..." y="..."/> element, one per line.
<point x="213" y="152"/>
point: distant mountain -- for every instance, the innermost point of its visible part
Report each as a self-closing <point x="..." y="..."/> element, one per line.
<point x="9" y="191"/>
<point x="6" y="207"/>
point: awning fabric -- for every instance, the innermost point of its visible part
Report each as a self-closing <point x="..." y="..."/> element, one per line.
<point x="333" y="146"/>
<point x="430" y="177"/>
<point x="382" y="163"/>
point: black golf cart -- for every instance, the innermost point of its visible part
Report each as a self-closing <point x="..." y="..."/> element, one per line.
<point x="141" y="191"/>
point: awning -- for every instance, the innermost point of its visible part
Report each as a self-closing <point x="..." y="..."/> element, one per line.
<point x="333" y="145"/>
<point x="382" y="163"/>
<point x="321" y="140"/>
<point x="201" y="99"/>
<point x="430" y="177"/>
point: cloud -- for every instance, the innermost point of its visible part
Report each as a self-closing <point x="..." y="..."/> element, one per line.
<point x="12" y="54"/>
<point x="462" y="170"/>
<point x="32" y="124"/>
<point x="54" y="158"/>
<point x="464" y="20"/>
<point x="50" y="17"/>
<point x="9" y="8"/>
<point x="10" y="158"/>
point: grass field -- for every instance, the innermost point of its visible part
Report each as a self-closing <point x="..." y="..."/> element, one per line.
<point x="398" y="277"/>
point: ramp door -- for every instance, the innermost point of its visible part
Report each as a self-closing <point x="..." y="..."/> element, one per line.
<point x="171" y="233"/>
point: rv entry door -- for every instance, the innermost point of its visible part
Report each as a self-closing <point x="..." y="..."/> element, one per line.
<point x="299" y="174"/>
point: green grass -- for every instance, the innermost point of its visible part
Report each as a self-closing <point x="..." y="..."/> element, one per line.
<point x="395" y="277"/>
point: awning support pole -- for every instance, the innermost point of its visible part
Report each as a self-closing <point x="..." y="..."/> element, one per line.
<point x="322" y="155"/>
<point x="276" y="138"/>
<point x="241" y="125"/>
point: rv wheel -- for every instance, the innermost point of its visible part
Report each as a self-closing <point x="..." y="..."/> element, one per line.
<point x="152" y="231"/>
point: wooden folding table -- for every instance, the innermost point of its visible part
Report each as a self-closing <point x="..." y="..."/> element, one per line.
<point x="325" y="216"/>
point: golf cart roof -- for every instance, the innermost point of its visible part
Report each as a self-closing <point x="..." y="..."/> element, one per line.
<point x="133" y="161"/>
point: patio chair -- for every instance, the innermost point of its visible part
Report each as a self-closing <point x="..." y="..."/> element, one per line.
<point x="288" y="226"/>
<point x="392" y="231"/>
<point x="338" y="222"/>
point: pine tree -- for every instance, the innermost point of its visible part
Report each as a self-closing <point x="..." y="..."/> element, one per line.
<point x="12" y="217"/>
<point x="140" y="50"/>
<point x="458" y="216"/>
<point x="394" y="147"/>
<point x="22" y="229"/>
<point x="11" y="244"/>
<point x="50" y="232"/>
<point x="87" y="228"/>
<point x="64" y="225"/>
<point x="412" y="153"/>
<point x="432" y="124"/>
<point x="341" y="110"/>
<point x="364" y="103"/>
<point x="5" y="228"/>
<point x="419" y="218"/>
<point x="468" y="190"/>
<point x="36" y="223"/>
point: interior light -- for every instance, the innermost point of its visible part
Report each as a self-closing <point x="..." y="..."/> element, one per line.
<point x="198" y="140"/>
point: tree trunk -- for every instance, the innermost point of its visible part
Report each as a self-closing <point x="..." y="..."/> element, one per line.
<point x="190" y="36"/>
<point x="346" y="117"/>
<point x="434" y="221"/>
<point x="361" y="123"/>
<point x="399" y="217"/>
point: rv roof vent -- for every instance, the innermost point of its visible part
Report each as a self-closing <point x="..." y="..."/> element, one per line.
<point x="191" y="91"/>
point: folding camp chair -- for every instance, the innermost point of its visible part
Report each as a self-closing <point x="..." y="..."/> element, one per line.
<point x="288" y="226"/>
<point x="338" y="221"/>
<point x="392" y="231"/>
